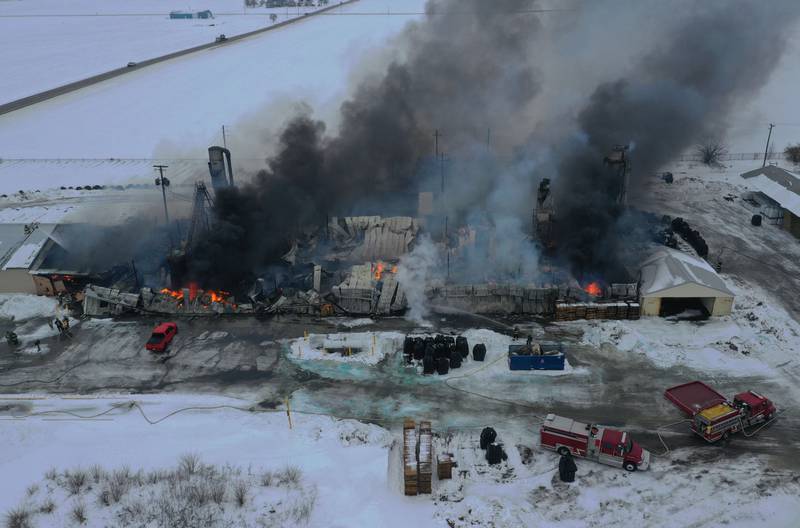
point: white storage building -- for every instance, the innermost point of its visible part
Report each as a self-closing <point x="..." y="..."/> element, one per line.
<point x="672" y="282"/>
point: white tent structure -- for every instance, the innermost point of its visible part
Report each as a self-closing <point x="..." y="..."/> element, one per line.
<point x="673" y="281"/>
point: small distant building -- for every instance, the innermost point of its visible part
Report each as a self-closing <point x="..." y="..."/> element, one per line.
<point x="187" y="14"/>
<point x="776" y="196"/>
<point x="673" y="282"/>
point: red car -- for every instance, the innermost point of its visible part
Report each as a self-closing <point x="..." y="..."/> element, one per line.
<point x="161" y="337"/>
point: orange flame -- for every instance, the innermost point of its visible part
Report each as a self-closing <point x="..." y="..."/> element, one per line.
<point x="379" y="268"/>
<point x="214" y="296"/>
<point x="593" y="289"/>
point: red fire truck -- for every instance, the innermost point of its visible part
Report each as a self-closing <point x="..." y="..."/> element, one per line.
<point x="713" y="416"/>
<point x="595" y="442"/>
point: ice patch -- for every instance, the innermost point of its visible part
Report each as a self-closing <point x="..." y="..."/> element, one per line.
<point x="357" y="347"/>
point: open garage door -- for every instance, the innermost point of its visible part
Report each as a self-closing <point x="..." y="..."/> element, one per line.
<point x="690" y="308"/>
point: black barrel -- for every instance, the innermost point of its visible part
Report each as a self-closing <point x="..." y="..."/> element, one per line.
<point x="756" y="220"/>
<point x="479" y="352"/>
<point x="442" y="366"/>
<point x="495" y="453"/>
<point x="428" y="365"/>
<point x="408" y="346"/>
<point x="455" y="360"/>
<point x="488" y="435"/>
<point x="419" y="348"/>
<point x="462" y="346"/>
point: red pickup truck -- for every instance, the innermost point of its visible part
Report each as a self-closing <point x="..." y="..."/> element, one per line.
<point x="161" y="337"/>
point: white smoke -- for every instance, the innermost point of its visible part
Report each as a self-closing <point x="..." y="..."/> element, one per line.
<point x="415" y="272"/>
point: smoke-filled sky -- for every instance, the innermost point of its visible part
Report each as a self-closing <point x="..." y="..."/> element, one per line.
<point x="556" y="91"/>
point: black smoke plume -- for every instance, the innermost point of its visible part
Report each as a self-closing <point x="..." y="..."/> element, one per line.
<point x="718" y="57"/>
<point x="469" y="65"/>
<point x="463" y="67"/>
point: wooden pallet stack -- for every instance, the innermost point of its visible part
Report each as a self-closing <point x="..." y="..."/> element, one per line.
<point x="444" y="466"/>
<point x="425" y="458"/>
<point x="614" y="310"/>
<point x="410" y="457"/>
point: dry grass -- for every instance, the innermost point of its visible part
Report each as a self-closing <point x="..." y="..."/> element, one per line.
<point x="18" y="518"/>
<point x="240" y="492"/>
<point x="48" y="506"/>
<point x="75" y="481"/>
<point x="78" y="513"/>
<point x="289" y="476"/>
<point x="189" y="495"/>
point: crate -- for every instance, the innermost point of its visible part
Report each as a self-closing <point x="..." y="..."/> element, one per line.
<point x="444" y="466"/>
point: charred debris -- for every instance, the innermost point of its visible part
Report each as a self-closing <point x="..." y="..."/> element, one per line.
<point x="358" y="265"/>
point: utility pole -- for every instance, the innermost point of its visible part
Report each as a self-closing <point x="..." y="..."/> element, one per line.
<point x="224" y="139"/>
<point x="766" y="149"/>
<point x="163" y="181"/>
<point x="441" y="172"/>
<point x="436" y="135"/>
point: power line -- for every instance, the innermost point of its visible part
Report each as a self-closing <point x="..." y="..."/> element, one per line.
<point x="328" y="13"/>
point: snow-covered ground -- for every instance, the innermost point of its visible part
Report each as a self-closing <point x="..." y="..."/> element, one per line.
<point x="176" y="109"/>
<point x="345" y="460"/>
<point x="56" y="42"/>
<point x="758" y="338"/>
<point x="353" y="468"/>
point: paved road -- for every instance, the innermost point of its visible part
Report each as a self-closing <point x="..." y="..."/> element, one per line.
<point x="77" y="85"/>
<point x="243" y="358"/>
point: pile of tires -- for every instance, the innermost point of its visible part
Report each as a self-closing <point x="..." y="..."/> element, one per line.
<point x="692" y="236"/>
<point x="479" y="352"/>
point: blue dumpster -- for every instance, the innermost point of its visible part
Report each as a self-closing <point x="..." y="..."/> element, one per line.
<point x="539" y="356"/>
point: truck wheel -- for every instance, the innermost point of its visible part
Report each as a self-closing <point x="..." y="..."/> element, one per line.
<point x="629" y="466"/>
<point x="562" y="450"/>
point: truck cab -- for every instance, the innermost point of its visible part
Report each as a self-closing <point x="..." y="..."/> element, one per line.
<point x="754" y="405"/>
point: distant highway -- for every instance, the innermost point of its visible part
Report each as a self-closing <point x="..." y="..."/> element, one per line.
<point x="77" y="85"/>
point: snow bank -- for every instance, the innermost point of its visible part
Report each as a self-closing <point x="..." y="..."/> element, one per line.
<point x="344" y="460"/>
<point x="20" y="306"/>
<point x="365" y="347"/>
<point x="755" y="339"/>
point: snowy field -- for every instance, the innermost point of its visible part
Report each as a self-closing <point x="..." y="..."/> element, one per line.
<point x="57" y="42"/>
<point x="176" y="109"/>
<point x="351" y="469"/>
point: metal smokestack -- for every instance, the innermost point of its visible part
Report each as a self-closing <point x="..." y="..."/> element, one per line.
<point x="221" y="172"/>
